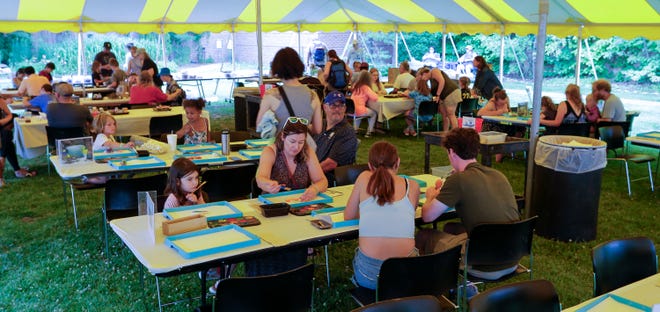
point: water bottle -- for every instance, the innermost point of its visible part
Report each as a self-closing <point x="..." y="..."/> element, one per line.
<point x="225" y="142"/>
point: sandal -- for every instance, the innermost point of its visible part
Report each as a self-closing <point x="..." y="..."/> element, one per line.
<point x="24" y="173"/>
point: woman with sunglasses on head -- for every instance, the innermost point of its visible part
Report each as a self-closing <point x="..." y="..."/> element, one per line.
<point x="305" y="103"/>
<point x="288" y="164"/>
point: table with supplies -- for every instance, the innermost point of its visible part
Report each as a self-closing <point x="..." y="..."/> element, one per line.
<point x="643" y="295"/>
<point x="275" y="234"/>
<point x="30" y="137"/>
<point x="389" y="107"/>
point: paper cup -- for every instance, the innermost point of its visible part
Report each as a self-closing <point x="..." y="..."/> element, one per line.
<point x="171" y="140"/>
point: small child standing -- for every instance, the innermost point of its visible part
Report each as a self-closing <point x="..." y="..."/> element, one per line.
<point x="464" y="84"/>
<point x="105" y="127"/>
<point x="182" y="185"/>
<point x="196" y="130"/>
<point x="420" y="94"/>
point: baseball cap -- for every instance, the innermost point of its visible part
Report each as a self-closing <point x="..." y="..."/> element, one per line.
<point x="107" y="45"/>
<point x="333" y="97"/>
<point x="130" y="45"/>
<point x="164" y="72"/>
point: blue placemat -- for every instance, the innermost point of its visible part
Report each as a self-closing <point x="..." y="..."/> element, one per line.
<point x="198" y="148"/>
<point x="137" y="163"/>
<point x="291" y="198"/>
<point x="421" y="183"/>
<point x="652" y="135"/>
<point x="203" y="158"/>
<point x="254" y="153"/>
<point x="212" y="211"/>
<point x="259" y="142"/>
<point x="114" y="153"/>
<point x="210" y="241"/>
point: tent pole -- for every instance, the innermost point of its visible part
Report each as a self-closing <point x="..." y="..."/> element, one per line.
<point x="162" y="44"/>
<point x="405" y="44"/>
<point x="451" y="39"/>
<point x="536" y="108"/>
<point x="259" y="44"/>
<point x="299" y="44"/>
<point x="81" y="52"/>
<point x="502" y="52"/>
<point x="515" y="56"/>
<point x="395" y="61"/>
<point x="344" y="52"/>
<point x="444" y="45"/>
<point x="578" y="56"/>
<point x="591" y="58"/>
<point x="366" y="49"/>
<point x="233" y="48"/>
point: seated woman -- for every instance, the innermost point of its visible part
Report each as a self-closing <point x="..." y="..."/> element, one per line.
<point x="548" y="108"/>
<point x="385" y="204"/>
<point x="289" y="163"/>
<point x="498" y="105"/>
<point x="570" y="111"/>
<point x="145" y="92"/>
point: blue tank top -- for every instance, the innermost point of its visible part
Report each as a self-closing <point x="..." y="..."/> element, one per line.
<point x="392" y="220"/>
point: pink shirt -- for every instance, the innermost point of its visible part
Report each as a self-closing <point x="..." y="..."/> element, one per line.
<point x="146" y="95"/>
<point x="361" y="96"/>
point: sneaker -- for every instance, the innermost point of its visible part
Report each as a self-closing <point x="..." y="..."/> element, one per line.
<point x="213" y="289"/>
<point x="368" y="135"/>
<point x="211" y="274"/>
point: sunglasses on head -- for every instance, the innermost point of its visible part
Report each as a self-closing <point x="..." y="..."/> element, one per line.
<point x="293" y="120"/>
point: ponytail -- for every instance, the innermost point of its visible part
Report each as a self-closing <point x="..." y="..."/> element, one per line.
<point x="381" y="185"/>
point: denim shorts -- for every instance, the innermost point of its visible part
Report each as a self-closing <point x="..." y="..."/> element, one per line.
<point x="366" y="269"/>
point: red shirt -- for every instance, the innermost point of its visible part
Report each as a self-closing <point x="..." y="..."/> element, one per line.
<point x="147" y="95"/>
<point x="46" y="74"/>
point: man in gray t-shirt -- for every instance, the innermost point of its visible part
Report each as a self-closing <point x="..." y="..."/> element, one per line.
<point x="613" y="109"/>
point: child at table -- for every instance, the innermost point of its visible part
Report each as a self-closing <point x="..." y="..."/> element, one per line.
<point x="196" y="130"/>
<point x="420" y="94"/>
<point x="183" y="185"/>
<point x="105" y="127"/>
<point x="548" y="108"/>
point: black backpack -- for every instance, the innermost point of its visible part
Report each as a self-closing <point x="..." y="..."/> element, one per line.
<point x="338" y="77"/>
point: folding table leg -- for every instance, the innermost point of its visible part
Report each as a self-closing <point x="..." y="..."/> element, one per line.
<point x="73" y="203"/>
<point x="160" y="304"/>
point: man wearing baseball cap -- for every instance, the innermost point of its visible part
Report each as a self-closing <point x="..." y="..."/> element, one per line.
<point x="337" y="143"/>
<point x="104" y="57"/>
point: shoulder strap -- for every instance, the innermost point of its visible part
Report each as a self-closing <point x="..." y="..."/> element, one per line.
<point x="286" y="101"/>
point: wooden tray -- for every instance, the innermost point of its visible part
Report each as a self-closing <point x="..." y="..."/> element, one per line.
<point x="203" y="158"/>
<point x="210" y="241"/>
<point x="198" y="148"/>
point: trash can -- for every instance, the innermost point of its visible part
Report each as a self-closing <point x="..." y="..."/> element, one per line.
<point x="566" y="186"/>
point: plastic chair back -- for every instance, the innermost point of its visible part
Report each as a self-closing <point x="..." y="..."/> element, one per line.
<point x="619" y="262"/>
<point x="613" y="136"/>
<point x="625" y="125"/>
<point x="229" y="182"/>
<point x="500" y="243"/>
<point x="164" y="124"/>
<point x="423" y="275"/>
<point x="467" y="107"/>
<point x="577" y="129"/>
<point x="537" y="296"/>
<point x="345" y="175"/>
<point x="408" y="304"/>
<point x="288" y="291"/>
<point x="427" y="108"/>
<point x="121" y="194"/>
<point x="53" y="134"/>
<point x="350" y="107"/>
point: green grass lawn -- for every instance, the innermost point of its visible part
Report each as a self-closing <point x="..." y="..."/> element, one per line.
<point x="46" y="264"/>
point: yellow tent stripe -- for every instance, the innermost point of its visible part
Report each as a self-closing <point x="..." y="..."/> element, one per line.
<point x="505" y="11"/>
<point x="154" y="10"/>
<point x="249" y="13"/>
<point x="616" y="11"/>
<point x="48" y="10"/>
<point x="180" y="10"/>
<point x="476" y="11"/>
<point x="340" y="17"/>
<point x="271" y="11"/>
<point x="406" y="10"/>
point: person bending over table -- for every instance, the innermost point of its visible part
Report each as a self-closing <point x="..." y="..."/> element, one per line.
<point x="485" y="81"/>
<point x="196" y="130"/>
<point x="385" y="204"/>
<point x="337" y="144"/>
<point x="288" y="164"/>
<point x="498" y="105"/>
<point x="420" y="94"/>
<point x="447" y="94"/>
<point x="613" y="109"/>
<point x="480" y="194"/>
<point x="145" y="92"/>
<point x="7" y="147"/>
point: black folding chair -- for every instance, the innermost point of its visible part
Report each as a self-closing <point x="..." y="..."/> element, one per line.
<point x="164" y="124"/>
<point x="619" y="262"/>
<point x="229" y="182"/>
<point x="537" y="295"/>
